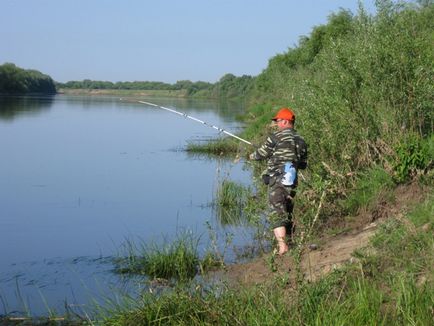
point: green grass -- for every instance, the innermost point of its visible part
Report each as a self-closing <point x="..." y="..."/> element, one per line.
<point x="323" y="304"/>
<point x="176" y="260"/>
<point x="231" y="194"/>
<point x="236" y="204"/>
<point x="219" y="147"/>
<point x="230" y="201"/>
<point x="423" y="214"/>
<point x="406" y="243"/>
<point x="357" y="100"/>
<point x="390" y="285"/>
<point x="254" y="306"/>
<point x="372" y="187"/>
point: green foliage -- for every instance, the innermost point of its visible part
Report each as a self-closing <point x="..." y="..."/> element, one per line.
<point x="231" y="198"/>
<point x="413" y="155"/>
<point x="423" y="214"/>
<point x="413" y="301"/>
<point x="202" y="307"/>
<point x="232" y="86"/>
<point x="15" y="80"/>
<point x="391" y="285"/>
<point x="362" y="90"/>
<point x="230" y="194"/>
<point x="403" y="262"/>
<point x="258" y="119"/>
<point x="210" y="261"/>
<point x="365" y="79"/>
<point x="190" y="88"/>
<point x="323" y="304"/>
<point x="276" y="81"/>
<point x="370" y="189"/>
<point x="361" y="87"/>
<point x="363" y="302"/>
<point x="228" y="86"/>
<point x="222" y="146"/>
<point x="405" y="243"/>
<point x="178" y="259"/>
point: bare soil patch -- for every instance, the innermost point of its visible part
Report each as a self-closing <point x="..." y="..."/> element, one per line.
<point x="332" y="251"/>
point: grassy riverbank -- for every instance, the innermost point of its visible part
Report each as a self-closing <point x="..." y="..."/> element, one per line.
<point x="361" y="87"/>
<point x="389" y="282"/>
<point x="362" y="90"/>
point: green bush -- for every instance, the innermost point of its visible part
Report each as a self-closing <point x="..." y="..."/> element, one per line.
<point x="413" y="155"/>
<point x="15" y="80"/>
<point x="361" y="87"/>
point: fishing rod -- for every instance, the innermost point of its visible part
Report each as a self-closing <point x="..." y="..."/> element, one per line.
<point x="200" y="121"/>
<point x="197" y="120"/>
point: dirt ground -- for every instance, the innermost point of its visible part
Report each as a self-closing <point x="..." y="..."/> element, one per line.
<point x="328" y="252"/>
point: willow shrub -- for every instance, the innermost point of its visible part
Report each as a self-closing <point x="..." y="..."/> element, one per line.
<point x="364" y="89"/>
<point x="413" y="155"/>
<point x="360" y="97"/>
<point x="363" y="92"/>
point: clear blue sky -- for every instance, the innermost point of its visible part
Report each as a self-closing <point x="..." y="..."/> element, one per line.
<point x="156" y="40"/>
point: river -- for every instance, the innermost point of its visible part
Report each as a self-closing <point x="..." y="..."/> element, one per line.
<point x="80" y="176"/>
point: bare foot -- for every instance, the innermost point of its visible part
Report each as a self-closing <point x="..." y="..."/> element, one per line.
<point x="283" y="248"/>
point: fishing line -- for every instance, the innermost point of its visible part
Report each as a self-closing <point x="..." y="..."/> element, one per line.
<point x="221" y="130"/>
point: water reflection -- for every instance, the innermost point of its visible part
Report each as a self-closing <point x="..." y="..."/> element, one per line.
<point x="226" y="109"/>
<point x="11" y="107"/>
<point x="91" y="171"/>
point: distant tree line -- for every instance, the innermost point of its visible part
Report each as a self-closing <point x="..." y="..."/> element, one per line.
<point x="231" y="86"/>
<point x="228" y="86"/>
<point x="135" y="85"/>
<point x="15" y="80"/>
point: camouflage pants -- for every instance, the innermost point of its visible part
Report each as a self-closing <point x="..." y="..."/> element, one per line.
<point x="281" y="201"/>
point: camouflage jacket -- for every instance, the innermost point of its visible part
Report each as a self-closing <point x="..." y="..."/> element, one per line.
<point x="279" y="148"/>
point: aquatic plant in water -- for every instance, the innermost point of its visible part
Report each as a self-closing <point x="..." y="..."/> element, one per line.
<point x="177" y="259"/>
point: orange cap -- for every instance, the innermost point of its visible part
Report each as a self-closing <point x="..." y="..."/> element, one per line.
<point x="285" y="114"/>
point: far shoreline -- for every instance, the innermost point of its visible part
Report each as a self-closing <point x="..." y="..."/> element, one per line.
<point x="126" y="92"/>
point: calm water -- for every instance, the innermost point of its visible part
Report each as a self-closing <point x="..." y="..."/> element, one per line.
<point x="80" y="175"/>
